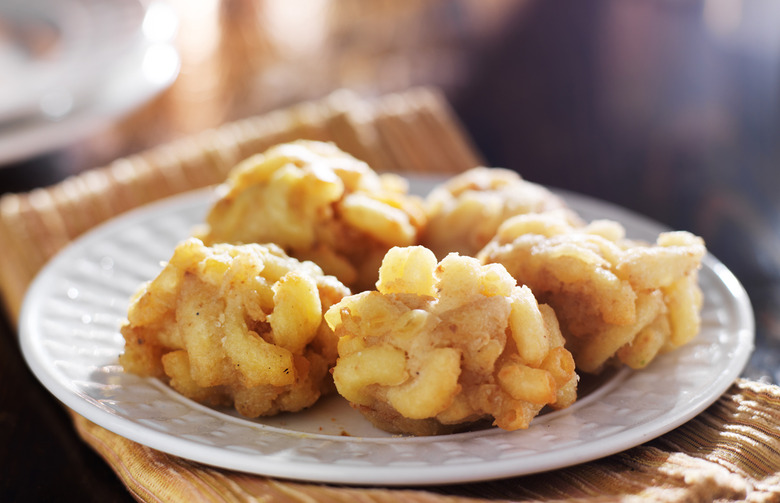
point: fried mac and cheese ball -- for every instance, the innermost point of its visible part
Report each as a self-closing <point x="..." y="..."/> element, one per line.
<point x="235" y="325"/>
<point x="440" y="346"/>
<point x="320" y="204"/>
<point x="617" y="300"/>
<point x="465" y="212"/>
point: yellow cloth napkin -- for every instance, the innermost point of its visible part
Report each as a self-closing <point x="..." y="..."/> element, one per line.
<point x="730" y="452"/>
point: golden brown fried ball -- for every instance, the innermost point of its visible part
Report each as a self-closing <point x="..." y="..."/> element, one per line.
<point x="617" y="300"/>
<point x="235" y="325"/>
<point x="317" y="203"/>
<point x="440" y="346"/>
<point x="465" y="212"/>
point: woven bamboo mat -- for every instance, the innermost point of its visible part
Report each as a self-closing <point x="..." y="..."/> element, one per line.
<point x="413" y="131"/>
<point x="730" y="452"/>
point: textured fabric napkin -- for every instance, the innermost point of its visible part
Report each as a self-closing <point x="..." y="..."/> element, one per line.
<point x="729" y="452"/>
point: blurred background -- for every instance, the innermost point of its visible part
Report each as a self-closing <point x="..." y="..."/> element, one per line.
<point x="668" y="108"/>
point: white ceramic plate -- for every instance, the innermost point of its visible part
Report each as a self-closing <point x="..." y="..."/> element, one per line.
<point x="70" y="339"/>
<point x="107" y="59"/>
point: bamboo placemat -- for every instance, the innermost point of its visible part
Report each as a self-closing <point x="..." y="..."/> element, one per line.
<point x="730" y="452"/>
<point x="413" y="131"/>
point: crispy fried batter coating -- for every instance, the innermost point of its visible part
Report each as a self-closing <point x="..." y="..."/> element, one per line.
<point x="440" y="346"/>
<point x="617" y="300"/>
<point x="465" y="212"/>
<point x="235" y="325"/>
<point x="320" y="204"/>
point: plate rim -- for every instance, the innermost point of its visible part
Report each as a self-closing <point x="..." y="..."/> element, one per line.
<point x="366" y="475"/>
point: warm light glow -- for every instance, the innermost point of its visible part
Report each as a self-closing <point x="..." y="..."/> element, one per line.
<point x="160" y="22"/>
<point x="299" y="27"/>
<point x="161" y="63"/>
<point x="199" y="29"/>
